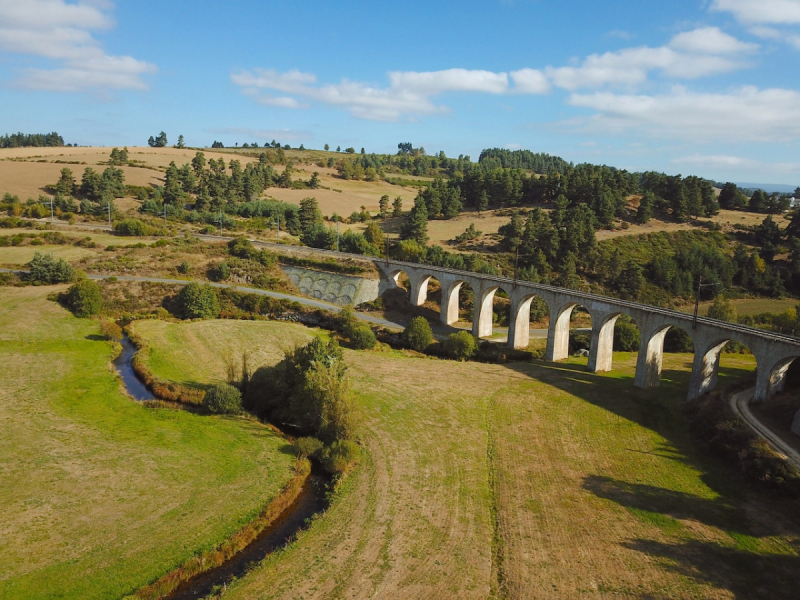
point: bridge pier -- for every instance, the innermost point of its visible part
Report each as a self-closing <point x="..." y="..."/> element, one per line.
<point x="602" y="346"/>
<point x="482" y="318"/>
<point x="449" y="310"/>
<point x="705" y="369"/>
<point x="558" y="333"/>
<point x="519" y="325"/>
<point x="419" y="289"/>
<point x="651" y="355"/>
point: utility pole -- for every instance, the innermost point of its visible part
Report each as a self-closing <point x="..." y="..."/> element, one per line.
<point x="108" y="206"/>
<point x="337" y="235"/>
<point x="52" y="215"/>
<point x="165" y="215"/>
<point x="516" y="264"/>
<point x="220" y="221"/>
<point x="278" y="229"/>
<point x="700" y="285"/>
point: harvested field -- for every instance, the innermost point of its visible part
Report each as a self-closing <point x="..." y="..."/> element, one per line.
<point x="100" y="495"/>
<point x="523" y="481"/>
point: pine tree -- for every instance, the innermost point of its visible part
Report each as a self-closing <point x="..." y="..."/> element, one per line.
<point x="397" y="207"/>
<point x="416" y="225"/>
<point x="383" y="203"/>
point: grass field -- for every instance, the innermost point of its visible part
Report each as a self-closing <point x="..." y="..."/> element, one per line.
<point x="521" y="481"/>
<point x="100" y="495"/>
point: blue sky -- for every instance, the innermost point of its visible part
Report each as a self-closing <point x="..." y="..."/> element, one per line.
<point x="688" y="86"/>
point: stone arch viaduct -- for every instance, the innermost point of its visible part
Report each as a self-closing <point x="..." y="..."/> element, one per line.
<point x="773" y="352"/>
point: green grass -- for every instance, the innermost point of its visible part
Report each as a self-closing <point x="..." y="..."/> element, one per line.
<point x="100" y="495"/>
<point x="585" y="483"/>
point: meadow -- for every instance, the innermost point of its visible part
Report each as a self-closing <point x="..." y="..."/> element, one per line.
<point x="101" y="495"/>
<point x="522" y="480"/>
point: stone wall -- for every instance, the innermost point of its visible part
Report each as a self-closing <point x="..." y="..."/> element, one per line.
<point x="331" y="287"/>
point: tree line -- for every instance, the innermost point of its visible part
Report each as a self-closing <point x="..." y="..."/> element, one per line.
<point x="21" y="140"/>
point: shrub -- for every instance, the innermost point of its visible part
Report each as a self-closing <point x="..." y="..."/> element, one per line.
<point x="111" y="331"/>
<point x="85" y="298"/>
<point x="134" y="227"/>
<point x="220" y="272"/>
<point x="340" y="456"/>
<point x="362" y="338"/>
<point x="44" y="268"/>
<point x="184" y="267"/>
<point x="223" y="399"/>
<point x="308" y="446"/>
<point x="199" y="301"/>
<point x="461" y="345"/>
<point x="626" y="335"/>
<point x="418" y="334"/>
<point x="347" y="321"/>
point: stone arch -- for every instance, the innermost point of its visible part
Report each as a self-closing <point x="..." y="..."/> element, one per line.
<point x="482" y="323"/>
<point x="450" y="301"/>
<point x="519" y="327"/>
<point x="558" y="332"/>
<point x="420" y="288"/>
<point x="651" y="354"/>
<point x="705" y="369"/>
<point x="604" y="329"/>
<point x="772" y="379"/>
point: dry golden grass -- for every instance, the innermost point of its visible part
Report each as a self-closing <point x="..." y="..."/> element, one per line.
<point x="524" y="481"/>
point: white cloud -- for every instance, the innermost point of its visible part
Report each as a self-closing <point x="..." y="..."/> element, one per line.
<point x="530" y="81"/>
<point x="746" y="114"/>
<point x="53" y="29"/>
<point x="409" y="93"/>
<point x="689" y="55"/>
<point x="709" y="40"/>
<point x="778" y="12"/>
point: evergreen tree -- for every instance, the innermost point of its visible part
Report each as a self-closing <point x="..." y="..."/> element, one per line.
<point x="66" y="183"/>
<point x="483" y="201"/>
<point x="383" y="204"/>
<point x="310" y="214"/>
<point x="645" y="211"/>
<point x="416" y="225"/>
<point x="397" y="206"/>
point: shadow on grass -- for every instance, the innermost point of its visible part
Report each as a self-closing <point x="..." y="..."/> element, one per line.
<point x="743" y="573"/>
<point x="748" y="567"/>
<point x="94" y="337"/>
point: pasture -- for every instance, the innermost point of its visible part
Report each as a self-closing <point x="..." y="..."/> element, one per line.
<point x="523" y="480"/>
<point x="101" y="495"/>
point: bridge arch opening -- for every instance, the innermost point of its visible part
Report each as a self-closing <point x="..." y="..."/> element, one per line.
<point x="707" y="361"/>
<point x="531" y="312"/>
<point x="616" y="332"/>
<point x="774" y="377"/>
<point x="664" y="338"/>
<point x="569" y="332"/>
<point x="493" y="307"/>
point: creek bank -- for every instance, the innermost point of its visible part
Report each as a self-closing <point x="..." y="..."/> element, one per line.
<point x="301" y="499"/>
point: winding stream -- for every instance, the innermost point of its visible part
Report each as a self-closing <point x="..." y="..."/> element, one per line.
<point x="310" y="501"/>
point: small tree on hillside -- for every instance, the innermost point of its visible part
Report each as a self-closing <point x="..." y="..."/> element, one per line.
<point x="397" y="207"/>
<point x="223" y="399"/>
<point x="418" y="334"/>
<point x="199" y="301"/>
<point x="44" y="268"/>
<point x="85" y="298"/>
<point x="461" y="345"/>
<point x="722" y="309"/>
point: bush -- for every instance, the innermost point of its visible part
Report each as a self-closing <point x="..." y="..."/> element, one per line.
<point x="44" y="268"/>
<point x="362" y="338"/>
<point x="347" y="321"/>
<point x="199" y="301"/>
<point x="184" y="267"/>
<point x="461" y="345"/>
<point x="111" y="331"/>
<point x="85" y="298"/>
<point x="418" y="334"/>
<point x="306" y="447"/>
<point x="340" y="456"/>
<point x="626" y="335"/>
<point x="223" y="399"/>
<point x="133" y="227"/>
<point x="220" y="272"/>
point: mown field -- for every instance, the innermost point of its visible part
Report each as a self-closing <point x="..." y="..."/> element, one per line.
<point x="521" y="481"/>
<point x="100" y="495"/>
